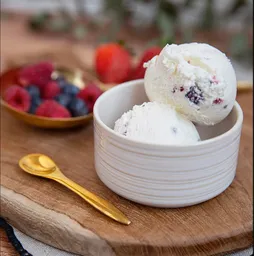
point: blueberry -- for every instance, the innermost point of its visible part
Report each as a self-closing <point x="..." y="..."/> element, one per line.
<point x="36" y="101"/>
<point x="70" y="89"/>
<point x="33" y="91"/>
<point x="60" y="78"/>
<point x="61" y="82"/>
<point x="63" y="99"/>
<point x="78" y="107"/>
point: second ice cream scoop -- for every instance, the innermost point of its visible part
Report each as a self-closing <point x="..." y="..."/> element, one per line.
<point x="157" y="123"/>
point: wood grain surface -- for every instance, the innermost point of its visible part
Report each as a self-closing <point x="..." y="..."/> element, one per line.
<point x="6" y="248"/>
<point x="49" y="212"/>
<point x="52" y="214"/>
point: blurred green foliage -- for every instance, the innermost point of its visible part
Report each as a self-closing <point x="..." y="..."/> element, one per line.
<point x="166" y="21"/>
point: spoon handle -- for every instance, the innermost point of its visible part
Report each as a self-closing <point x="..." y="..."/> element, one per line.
<point x="97" y="202"/>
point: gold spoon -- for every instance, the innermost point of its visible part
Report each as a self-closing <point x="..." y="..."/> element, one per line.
<point x="42" y="165"/>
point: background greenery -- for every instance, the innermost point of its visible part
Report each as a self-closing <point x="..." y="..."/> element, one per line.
<point x="165" y="20"/>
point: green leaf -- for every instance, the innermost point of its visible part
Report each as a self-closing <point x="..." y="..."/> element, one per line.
<point x="239" y="45"/>
<point x="169" y="8"/>
<point x="114" y="5"/>
<point x="237" y="5"/>
<point x="165" y="24"/>
<point x="59" y="24"/>
<point x="38" y="22"/>
<point x="167" y="29"/>
<point x="116" y="11"/>
<point x="165" y="40"/>
<point x="121" y="42"/>
<point x="208" y="16"/>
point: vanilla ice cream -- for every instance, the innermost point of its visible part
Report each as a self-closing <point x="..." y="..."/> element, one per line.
<point x="158" y="123"/>
<point x="197" y="79"/>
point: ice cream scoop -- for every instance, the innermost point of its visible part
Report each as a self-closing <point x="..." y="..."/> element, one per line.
<point x="197" y="79"/>
<point x="157" y="123"/>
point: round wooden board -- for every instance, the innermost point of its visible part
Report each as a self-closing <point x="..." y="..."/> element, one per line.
<point x="54" y="215"/>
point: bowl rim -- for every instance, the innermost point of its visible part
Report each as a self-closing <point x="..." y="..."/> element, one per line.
<point x="218" y="138"/>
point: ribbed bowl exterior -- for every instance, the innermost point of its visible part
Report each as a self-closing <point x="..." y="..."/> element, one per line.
<point x="161" y="175"/>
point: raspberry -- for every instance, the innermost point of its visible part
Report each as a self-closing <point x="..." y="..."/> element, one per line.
<point x="139" y="70"/>
<point x="18" y="98"/>
<point x="50" y="90"/>
<point x="89" y="95"/>
<point x="37" y="74"/>
<point x="50" y="108"/>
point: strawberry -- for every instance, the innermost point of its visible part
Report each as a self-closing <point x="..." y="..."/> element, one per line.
<point x="139" y="70"/>
<point x="18" y="98"/>
<point x="37" y="74"/>
<point x="112" y="63"/>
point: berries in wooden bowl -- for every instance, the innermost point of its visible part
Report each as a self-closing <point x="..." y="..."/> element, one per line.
<point x="40" y="95"/>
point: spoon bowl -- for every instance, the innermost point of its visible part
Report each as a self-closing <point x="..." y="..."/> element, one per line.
<point x="37" y="165"/>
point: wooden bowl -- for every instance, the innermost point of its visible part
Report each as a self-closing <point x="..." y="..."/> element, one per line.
<point x="8" y="78"/>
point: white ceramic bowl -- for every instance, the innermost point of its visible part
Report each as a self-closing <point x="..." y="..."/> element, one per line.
<point x="163" y="175"/>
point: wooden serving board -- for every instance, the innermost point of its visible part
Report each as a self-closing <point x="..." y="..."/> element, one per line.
<point x="54" y="215"/>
